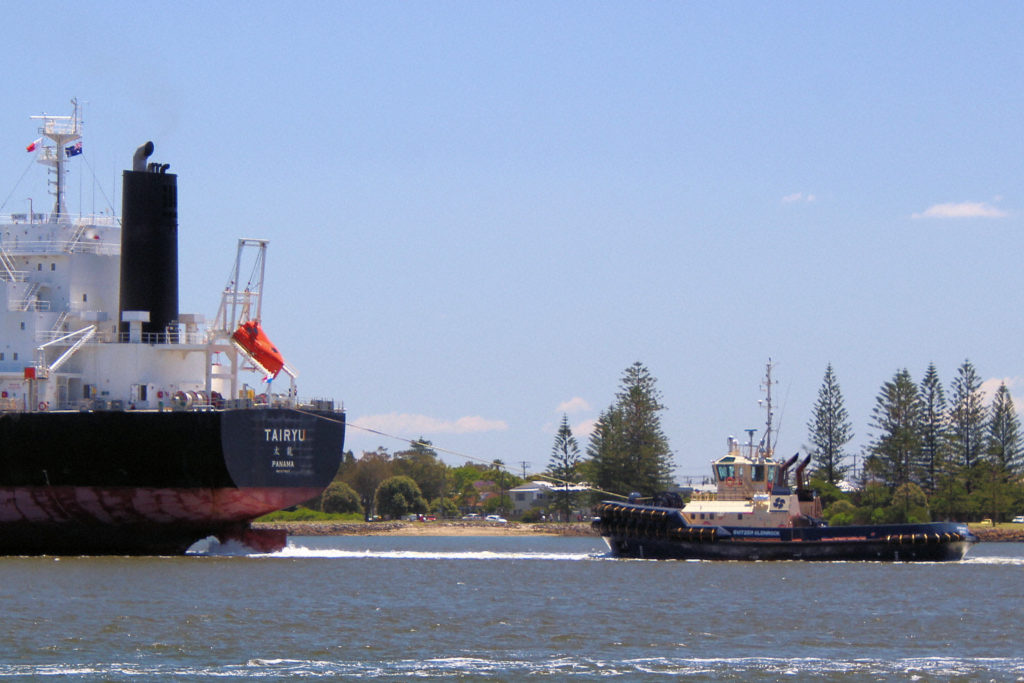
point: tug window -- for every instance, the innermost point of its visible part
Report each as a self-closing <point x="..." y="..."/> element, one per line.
<point x="726" y="471"/>
<point x="758" y="473"/>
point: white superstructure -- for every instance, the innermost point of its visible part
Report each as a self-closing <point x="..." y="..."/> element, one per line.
<point x="60" y="345"/>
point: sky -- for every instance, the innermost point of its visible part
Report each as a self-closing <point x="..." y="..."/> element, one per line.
<point x="481" y="213"/>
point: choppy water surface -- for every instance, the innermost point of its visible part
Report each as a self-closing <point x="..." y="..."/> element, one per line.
<point x="506" y="608"/>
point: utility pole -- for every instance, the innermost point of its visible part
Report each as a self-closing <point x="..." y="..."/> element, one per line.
<point x="524" y="464"/>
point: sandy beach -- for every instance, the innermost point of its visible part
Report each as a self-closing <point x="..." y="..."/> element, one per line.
<point x="453" y="528"/>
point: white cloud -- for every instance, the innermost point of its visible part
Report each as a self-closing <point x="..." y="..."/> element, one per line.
<point x="582" y="430"/>
<point x="798" y="197"/>
<point x="574" y="405"/>
<point x="404" y="424"/>
<point x="961" y="210"/>
<point x="990" y="386"/>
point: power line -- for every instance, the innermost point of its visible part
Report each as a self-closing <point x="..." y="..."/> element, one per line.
<point x="415" y="442"/>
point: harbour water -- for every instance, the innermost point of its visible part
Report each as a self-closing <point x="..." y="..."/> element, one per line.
<point x="505" y="608"/>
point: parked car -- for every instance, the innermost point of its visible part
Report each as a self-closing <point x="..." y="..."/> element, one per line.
<point x="471" y="517"/>
<point x="496" y="519"/>
<point x="1019" y="519"/>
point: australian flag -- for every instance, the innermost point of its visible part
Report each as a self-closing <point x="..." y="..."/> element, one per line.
<point x="73" y="150"/>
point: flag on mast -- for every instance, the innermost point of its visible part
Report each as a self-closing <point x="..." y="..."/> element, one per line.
<point x="32" y="145"/>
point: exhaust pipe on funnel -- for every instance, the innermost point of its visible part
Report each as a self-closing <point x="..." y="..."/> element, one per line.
<point x="141" y="154"/>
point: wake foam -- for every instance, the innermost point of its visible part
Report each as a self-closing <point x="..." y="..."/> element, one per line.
<point x="565" y="666"/>
<point x="1004" y="561"/>
<point x="336" y="553"/>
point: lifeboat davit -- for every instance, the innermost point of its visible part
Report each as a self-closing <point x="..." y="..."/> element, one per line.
<point x="251" y="338"/>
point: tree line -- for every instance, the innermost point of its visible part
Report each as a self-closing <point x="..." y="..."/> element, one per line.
<point x="414" y="481"/>
<point x="627" y="452"/>
<point x="929" y="457"/>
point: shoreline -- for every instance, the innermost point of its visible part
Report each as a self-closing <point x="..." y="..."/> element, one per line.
<point x="452" y="528"/>
<point x="987" y="534"/>
<point x="461" y="528"/>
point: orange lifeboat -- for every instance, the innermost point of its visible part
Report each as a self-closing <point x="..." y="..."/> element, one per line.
<point x="251" y="339"/>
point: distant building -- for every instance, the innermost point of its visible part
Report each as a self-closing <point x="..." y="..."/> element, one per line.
<point x="528" y="494"/>
<point x="537" y="494"/>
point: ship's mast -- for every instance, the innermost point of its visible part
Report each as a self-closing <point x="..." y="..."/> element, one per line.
<point x="770" y="416"/>
<point x="62" y="130"/>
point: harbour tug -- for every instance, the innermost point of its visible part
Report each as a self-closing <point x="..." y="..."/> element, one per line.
<point x="757" y="513"/>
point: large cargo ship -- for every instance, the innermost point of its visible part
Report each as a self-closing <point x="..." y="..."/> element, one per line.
<point x="127" y="426"/>
<point x="757" y="513"/>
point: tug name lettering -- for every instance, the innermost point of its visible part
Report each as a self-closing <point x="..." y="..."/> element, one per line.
<point x="293" y="435"/>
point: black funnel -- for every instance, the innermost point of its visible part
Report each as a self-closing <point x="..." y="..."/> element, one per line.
<point x="149" y="243"/>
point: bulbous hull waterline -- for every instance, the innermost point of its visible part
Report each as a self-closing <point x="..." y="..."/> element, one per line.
<point x="155" y="483"/>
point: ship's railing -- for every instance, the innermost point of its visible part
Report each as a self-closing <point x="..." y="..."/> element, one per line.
<point x="20" y="218"/>
<point x="102" y="220"/>
<point x="25" y="247"/>
<point x="28" y="300"/>
<point x="165" y="338"/>
<point x="183" y="401"/>
<point x="151" y="338"/>
<point x="34" y="305"/>
<point x="196" y="402"/>
<point x="50" y="335"/>
<point x="8" y="269"/>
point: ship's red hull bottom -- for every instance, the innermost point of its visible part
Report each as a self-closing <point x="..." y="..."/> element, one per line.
<point x="137" y="521"/>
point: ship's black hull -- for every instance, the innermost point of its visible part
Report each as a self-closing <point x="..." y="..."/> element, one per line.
<point x="124" y="482"/>
<point x="921" y="550"/>
<point x="647" y="532"/>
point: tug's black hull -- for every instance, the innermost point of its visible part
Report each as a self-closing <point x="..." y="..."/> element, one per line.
<point x="146" y="482"/>
<point x="647" y="532"/>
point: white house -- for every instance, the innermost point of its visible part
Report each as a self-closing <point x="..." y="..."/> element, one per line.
<point x="536" y="494"/>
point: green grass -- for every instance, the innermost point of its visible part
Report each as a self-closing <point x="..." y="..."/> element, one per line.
<point x="302" y="514"/>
